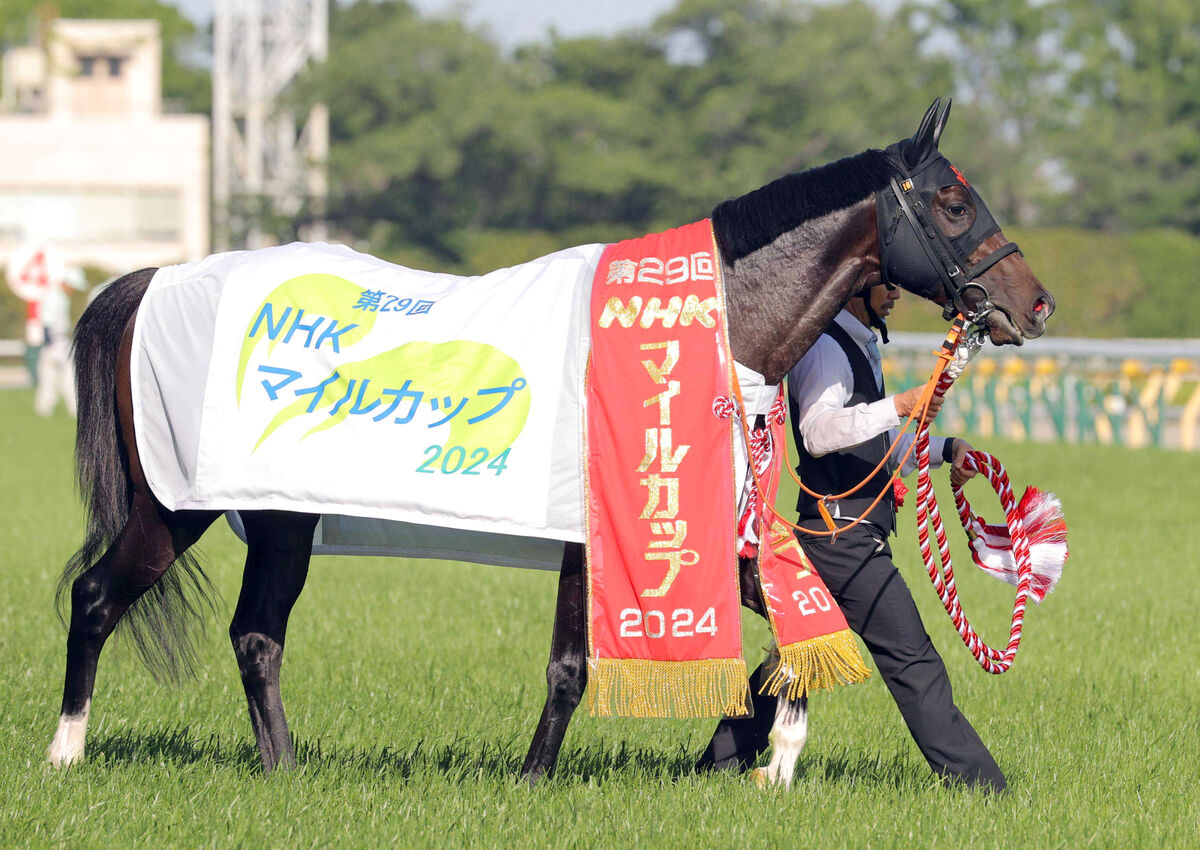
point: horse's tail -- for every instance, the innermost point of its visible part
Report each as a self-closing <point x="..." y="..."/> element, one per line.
<point x="162" y="621"/>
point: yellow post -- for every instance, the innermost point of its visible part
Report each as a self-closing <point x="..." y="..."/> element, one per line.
<point x="1014" y="370"/>
<point x="1187" y="423"/>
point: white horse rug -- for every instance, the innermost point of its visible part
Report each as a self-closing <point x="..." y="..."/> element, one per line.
<point x="421" y="414"/>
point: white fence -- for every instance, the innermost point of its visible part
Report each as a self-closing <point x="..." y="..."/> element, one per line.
<point x="13" y="372"/>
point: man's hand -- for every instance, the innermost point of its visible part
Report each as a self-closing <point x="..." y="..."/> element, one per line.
<point x="959" y="473"/>
<point x="909" y="400"/>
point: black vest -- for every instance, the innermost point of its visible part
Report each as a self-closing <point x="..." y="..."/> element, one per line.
<point x="837" y="472"/>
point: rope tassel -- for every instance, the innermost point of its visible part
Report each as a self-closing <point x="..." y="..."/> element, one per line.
<point x="1046" y="528"/>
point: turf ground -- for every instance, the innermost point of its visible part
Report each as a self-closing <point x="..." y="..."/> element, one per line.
<point x="413" y="690"/>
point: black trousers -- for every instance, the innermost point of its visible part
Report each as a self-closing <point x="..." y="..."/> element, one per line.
<point x="859" y="572"/>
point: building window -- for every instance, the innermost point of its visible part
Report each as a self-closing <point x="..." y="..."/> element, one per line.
<point x="90" y="65"/>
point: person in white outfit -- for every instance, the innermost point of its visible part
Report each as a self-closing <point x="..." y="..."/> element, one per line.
<point x="55" y="372"/>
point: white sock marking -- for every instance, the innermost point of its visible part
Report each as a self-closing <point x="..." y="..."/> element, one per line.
<point x="787" y="737"/>
<point x="67" y="746"/>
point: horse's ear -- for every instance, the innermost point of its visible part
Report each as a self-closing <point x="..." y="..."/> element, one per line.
<point x="922" y="144"/>
<point x="940" y="124"/>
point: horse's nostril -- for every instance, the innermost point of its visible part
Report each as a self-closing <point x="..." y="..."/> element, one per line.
<point x="1043" y="307"/>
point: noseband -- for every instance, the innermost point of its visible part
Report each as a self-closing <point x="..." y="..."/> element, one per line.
<point x="920" y="257"/>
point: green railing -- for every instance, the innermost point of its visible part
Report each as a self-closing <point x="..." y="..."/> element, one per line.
<point x="1135" y="393"/>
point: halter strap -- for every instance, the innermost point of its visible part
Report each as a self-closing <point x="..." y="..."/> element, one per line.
<point x="943" y="257"/>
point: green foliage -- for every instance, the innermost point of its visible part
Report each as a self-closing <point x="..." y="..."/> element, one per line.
<point x="1169" y="302"/>
<point x="1003" y="58"/>
<point x="1088" y="112"/>
<point x="449" y="154"/>
<point x="435" y="133"/>
<point x="1132" y="145"/>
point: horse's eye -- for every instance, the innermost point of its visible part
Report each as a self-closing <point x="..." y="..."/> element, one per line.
<point x="956" y="209"/>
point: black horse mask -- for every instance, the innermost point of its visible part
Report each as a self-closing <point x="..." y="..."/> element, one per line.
<point x="915" y="253"/>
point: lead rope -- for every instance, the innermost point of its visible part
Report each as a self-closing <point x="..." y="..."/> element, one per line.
<point x="961" y="344"/>
<point x="942" y="576"/>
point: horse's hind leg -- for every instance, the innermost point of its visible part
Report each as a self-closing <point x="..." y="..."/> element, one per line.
<point x="737" y="741"/>
<point x="279" y="546"/>
<point x="148" y="544"/>
<point x="566" y="673"/>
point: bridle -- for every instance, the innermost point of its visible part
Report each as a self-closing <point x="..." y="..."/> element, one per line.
<point x="941" y="262"/>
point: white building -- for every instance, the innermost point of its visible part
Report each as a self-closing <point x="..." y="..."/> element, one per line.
<point x="88" y="160"/>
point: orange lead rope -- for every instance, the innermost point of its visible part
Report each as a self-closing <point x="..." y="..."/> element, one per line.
<point x="952" y="359"/>
<point x="945" y="355"/>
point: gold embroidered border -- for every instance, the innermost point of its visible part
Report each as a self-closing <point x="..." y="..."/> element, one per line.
<point x="639" y="687"/>
<point x="816" y="664"/>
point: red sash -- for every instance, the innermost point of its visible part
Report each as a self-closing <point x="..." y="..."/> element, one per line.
<point x="664" y="636"/>
<point x="664" y="624"/>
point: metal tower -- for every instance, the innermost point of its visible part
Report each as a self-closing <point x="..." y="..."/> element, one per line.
<point x="267" y="161"/>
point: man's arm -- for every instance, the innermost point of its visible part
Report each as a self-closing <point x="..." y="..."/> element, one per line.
<point x="952" y="450"/>
<point x="940" y="451"/>
<point x="821" y="384"/>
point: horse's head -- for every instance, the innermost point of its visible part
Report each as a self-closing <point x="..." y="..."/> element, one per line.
<point x="938" y="240"/>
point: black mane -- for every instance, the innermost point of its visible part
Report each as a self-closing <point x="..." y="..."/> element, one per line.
<point x="745" y="224"/>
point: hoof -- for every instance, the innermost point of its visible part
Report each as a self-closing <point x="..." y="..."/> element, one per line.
<point x="764" y="780"/>
<point x="62" y="754"/>
<point x="67" y="747"/>
<point x="533" y="778"/>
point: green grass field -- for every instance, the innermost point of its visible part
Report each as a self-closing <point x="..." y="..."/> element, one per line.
<point x="413" y="689"/>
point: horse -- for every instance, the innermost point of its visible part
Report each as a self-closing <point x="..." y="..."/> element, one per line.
<point x="792" y="253"/>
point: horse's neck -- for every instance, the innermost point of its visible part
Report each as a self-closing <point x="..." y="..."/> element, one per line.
<point x="783" y="296"/>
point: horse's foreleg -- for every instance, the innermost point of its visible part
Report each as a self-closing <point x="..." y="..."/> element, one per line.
<point x="279" y="546"/>
<point x="566" y="674"/>
<point x="148" y="544"/>
<point x="787" y="740"/>
<point x="778" y="722"/>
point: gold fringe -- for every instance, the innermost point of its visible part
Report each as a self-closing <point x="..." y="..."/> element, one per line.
<point x="640" y="687"/>
<point x="817" y="664"/>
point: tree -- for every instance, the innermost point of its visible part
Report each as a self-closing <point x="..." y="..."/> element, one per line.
<point x="436" y="137"/>
<point x="1132" y="142"/>
<point x="1008" y="68"/>
<point x="415" y="107"/>
<point x="785" y="86"/>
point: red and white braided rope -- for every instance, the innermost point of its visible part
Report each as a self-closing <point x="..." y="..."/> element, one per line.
<point x="990" y="659"/>
<point x="761" y="449"/>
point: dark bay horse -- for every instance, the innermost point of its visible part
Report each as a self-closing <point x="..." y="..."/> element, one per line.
<point x="792" y="252"/>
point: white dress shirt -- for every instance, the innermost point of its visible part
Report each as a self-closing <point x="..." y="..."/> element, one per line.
<point x="822" y="383"/>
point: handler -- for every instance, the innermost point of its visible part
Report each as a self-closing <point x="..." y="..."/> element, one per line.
<point x="843" y="425"/>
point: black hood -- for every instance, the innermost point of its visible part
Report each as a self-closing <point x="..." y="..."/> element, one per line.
<point x="914" y="252"/>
